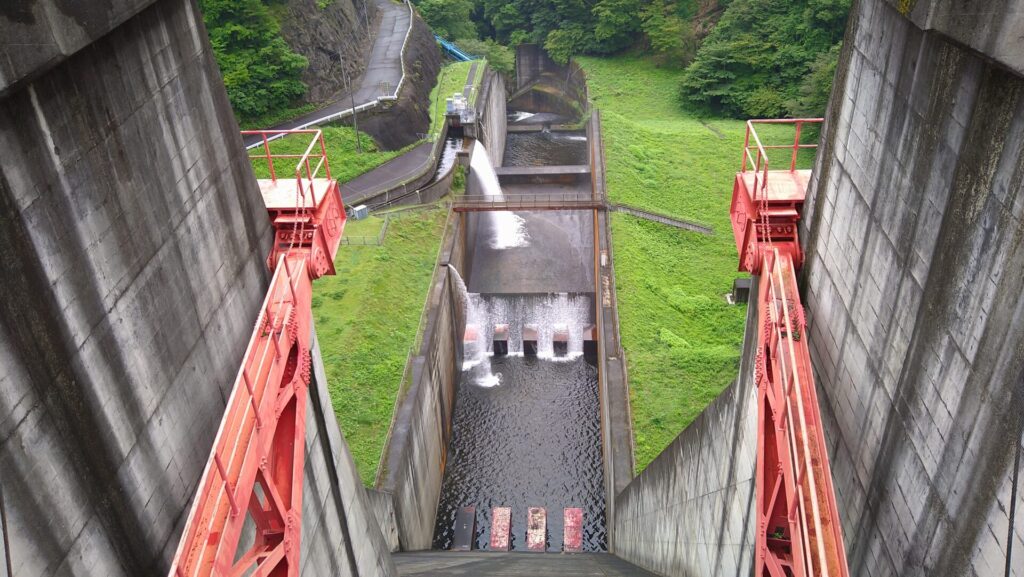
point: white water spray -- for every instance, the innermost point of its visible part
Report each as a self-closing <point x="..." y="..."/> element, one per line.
<point x="544" y="312"/>
<point x="509" y="228"/>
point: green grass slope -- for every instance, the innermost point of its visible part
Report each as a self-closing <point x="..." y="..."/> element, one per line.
<point x="366" y="320"/>
<point x="682" y="339"/>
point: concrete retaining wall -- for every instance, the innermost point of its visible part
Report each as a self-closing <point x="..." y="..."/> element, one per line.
<point x="422" y="427"/>
<point x="132" y="243"/>
<point x="915" y="247"/>
<point x="383" y="506"/>
<point x="691" y="511"/>
<point x="341" y="535"/>
<point x="491" y="115"/>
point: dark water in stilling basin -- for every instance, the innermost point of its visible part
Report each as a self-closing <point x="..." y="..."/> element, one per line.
<point x="546" y="149"/>
<point x="532" y="441"/>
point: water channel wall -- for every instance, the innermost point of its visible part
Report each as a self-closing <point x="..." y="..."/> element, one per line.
<point x="543" y="85"/>
<point x="914" y="234"/>
<point x="491" y="115"/>
<point x="691" y="511"/>
<point x="133" y="241"/>
<point x="416" y="452"/>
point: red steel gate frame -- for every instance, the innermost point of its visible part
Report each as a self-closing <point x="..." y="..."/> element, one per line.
<point x="798" y="530"/>
<point x="255" y="470"/>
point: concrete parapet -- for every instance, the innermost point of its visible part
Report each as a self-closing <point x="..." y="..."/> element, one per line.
<point x="133" y="245"/>
<point x="914" y="246"/>
<point x="691" y="511"/>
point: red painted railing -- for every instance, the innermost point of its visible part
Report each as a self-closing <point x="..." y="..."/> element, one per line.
<point x="798" y="532"/>
<point x="309" y="163"/>
<point x="759" y="161"/>
<point x="254" y="473"/>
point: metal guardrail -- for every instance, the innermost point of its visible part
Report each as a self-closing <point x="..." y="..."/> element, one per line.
<point x="369" y="240"/>
<point x="540" y="201"/>
<point x="376" y="101"/>
<point x="661" y="218"/>
<point x="759" y="162"/>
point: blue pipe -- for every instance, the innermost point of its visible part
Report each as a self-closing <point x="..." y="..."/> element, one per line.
<point x="453" y="50"/>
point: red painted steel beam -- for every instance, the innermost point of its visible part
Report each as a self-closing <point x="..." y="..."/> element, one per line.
<point x="798" y="531"/>
<point x="255" y="470"/>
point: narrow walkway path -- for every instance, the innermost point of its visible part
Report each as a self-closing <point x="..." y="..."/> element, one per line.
<point x="661" y="218"/>
<point x="394" y="172"/>
<point x="383" y="70"/>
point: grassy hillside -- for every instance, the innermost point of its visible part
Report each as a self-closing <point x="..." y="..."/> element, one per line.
<point x="366" y="319"/>
<point x="682" y="339"/>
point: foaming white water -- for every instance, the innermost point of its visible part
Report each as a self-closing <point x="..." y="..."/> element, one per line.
<point x="519" y="115"/>
<point x="545" y="313"/>
<point x="509" y="228"/>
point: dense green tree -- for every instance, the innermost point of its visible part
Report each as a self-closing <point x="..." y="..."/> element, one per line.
<point x="764" y="58"/>
<point x="261" y="73"/>
<point x="500" y="58"/>
<point x="449" y="19"/>
<point x="671" y="36"/>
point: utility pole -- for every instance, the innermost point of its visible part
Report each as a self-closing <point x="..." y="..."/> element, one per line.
<point x="352" y="99"/>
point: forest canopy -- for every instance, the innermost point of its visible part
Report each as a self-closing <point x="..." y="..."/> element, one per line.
<point x="261" y="72"/>
<point x="742" y="57"/>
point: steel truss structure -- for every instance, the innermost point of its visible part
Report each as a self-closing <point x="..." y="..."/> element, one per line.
<point x="798" y="531"/>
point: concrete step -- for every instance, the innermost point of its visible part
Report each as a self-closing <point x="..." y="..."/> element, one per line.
<point x="482" y="563"/>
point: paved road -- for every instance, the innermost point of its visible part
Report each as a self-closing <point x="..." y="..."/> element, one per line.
<point x="383" y="71"/>
<point x="401" y="169"/>
<point x="388" y="175"/>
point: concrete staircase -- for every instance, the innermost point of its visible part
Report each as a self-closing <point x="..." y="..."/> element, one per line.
<point x="481" y="563"/>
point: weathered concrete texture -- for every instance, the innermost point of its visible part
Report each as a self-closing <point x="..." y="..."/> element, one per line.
<point x="994" y="28"/>
<point x="422" y="427"/>
<point x="691" y="511"/>
<point x="334" y="39"/>
<point x="39" y="35"/>
<point x="491" y="115"/>
<point x="491" y="564"/>
<point x="531" y="61"/>
<point x="383" y="506"/>
<point x="132" y="243"/>
<point x="340" y="532"/>
<point x="915" y="247"/>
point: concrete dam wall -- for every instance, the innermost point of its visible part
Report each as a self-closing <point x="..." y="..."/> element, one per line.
<point x="915" y="246"/>
<point x="915" y="252"/>
<point x="691" y="511"/>
<point x="133" y="241"/>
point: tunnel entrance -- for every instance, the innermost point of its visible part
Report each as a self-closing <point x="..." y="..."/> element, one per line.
<point x="526" y="428"/>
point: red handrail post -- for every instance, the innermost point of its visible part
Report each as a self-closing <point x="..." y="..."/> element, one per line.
<point x="796" y="145"/>
<point x="270" y="159"/>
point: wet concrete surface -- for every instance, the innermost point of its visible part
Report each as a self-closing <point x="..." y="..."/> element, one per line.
<point x="555" y="256"/>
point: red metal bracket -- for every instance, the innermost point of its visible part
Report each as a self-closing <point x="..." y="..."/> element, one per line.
<point x="254" y="475"/>
<point x="798" y="532"/>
